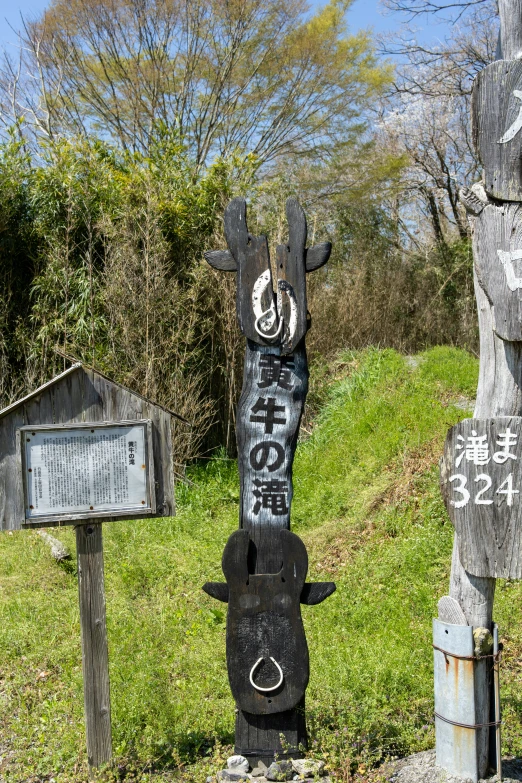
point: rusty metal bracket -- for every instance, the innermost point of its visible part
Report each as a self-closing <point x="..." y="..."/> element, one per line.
<point x="495" y="656"/>
<point x="467" y="725"/>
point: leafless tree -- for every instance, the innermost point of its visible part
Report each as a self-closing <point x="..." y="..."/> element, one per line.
<point x="263" y="77"/>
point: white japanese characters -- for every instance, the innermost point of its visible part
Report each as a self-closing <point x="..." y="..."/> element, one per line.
<point x="477" y="450"/>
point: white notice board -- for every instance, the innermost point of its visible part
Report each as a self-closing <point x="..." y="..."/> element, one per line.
<point x="87" y="470"/>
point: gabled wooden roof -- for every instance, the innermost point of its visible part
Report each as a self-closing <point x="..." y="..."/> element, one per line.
<point x="76" y="366"/>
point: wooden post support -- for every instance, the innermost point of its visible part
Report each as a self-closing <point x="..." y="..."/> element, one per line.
<point x="95" y="656"/>
<point x="265" y="565"/>
<point x="495" y="214"/>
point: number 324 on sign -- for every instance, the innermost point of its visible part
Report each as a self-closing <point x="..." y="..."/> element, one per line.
<point x="480" y="464"/>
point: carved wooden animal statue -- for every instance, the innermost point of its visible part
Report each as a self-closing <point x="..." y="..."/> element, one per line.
<point x="264" y="563"/>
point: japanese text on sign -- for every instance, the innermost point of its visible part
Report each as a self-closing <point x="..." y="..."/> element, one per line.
<point x="269" y="492"/>
<point x="478" y="450"/>
<point x="94" y="469"/>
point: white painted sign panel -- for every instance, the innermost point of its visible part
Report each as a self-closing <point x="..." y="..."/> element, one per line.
<point x="86" y="470"/>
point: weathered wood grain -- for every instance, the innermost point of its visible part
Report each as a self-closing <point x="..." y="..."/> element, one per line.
<point x="497" y="252"/>
<point x="95" y="656"/>
<point x="252" y="259"/>
<point x="269" y="413"/>
<point x="481" y="481"/>
<point x="264" y="626"/>
<point x="510" y="13"/>
<point x="82" y="395"/>
<point x="496" y="115"/>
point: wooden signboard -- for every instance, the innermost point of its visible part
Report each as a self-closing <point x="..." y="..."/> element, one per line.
<point x="481" y="479"/>
<point x="80" y="450"/>
<point x="497" y="249"/>
<point x="83" y="398"/>
<point x="86" y="471"/>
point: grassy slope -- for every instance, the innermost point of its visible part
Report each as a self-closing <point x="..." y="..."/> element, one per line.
<point x="368" y="507"/>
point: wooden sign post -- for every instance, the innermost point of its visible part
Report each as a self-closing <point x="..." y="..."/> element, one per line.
<point x="78" y="451"/>
<point x="480" y="473"/>
<point x="265" y="564"/>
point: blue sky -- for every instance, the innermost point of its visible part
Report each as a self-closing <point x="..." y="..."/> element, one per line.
<point x="363" y="14"/>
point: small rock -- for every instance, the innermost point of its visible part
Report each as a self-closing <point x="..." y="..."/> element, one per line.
<point x="259" y="771"/>
<point x="310" y="768"/>
<point x="227" y="776"/>
<point x="238" y="764"/>
<point x="280" y="770"/>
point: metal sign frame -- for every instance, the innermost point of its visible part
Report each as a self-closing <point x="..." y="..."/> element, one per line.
<point x="59" y="518"/>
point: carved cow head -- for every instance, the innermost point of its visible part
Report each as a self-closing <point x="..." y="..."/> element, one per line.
<point x="267" y="654"/>
<point x="265" y="316"/>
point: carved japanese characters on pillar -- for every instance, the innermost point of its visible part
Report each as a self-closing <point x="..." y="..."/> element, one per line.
<point x="481" y="479"/>
<point x="264" y="564"/>
<point x="480" y="474"/>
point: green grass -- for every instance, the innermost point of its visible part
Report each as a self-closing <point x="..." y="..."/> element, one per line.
<point x="368" y="507"/>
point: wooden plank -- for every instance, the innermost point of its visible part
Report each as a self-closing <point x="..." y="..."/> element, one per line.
<point x="12" y="512"/>
<point x="291" y="270"/>
<point x="510" y="13"/>
<point x="95" y="655"/>
<point x="496" y="116"/>
<point x="252" y="258"/>
<point x="38" y="391"/>
<point x="268" y="416"/>
<point x="497" y="251"/>
<point x="267" y="654"/>
<point x="258" y="737"/>
<point x="481" y="480"/>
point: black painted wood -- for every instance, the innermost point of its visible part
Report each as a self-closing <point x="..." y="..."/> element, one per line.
<point x="258" y="737"/>
<point x="222" y="260"/>
<point x="252" y="259"/>
<point x="317" y="256"/>
<point x="264" y="563"/>
<point x="264" y="627"/>
<point x="313" y="593"/>
<point x="268" y="417"/>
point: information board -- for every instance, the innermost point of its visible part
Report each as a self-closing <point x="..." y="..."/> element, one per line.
<point x="87" y="470"/>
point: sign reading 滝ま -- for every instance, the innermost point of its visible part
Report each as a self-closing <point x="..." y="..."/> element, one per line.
<point x="481" y="482"/>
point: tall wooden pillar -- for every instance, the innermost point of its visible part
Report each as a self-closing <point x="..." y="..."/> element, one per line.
<point x="495" y="213"/>
<point x="265" y="565"/>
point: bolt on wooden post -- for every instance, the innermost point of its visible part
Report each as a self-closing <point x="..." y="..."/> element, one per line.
<point x="82" y="450"/>
<point x="480" y="471"/>
<point x="264" y="563"/>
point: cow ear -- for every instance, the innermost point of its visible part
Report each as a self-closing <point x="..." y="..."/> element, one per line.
<point x="315" y="592"/>
<point x="221" y="259"/>
<point x="317" y="256"/>
<point x="217" y="590"/>
<point x="235" y="558"/>
<point x="295" y="560"/>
